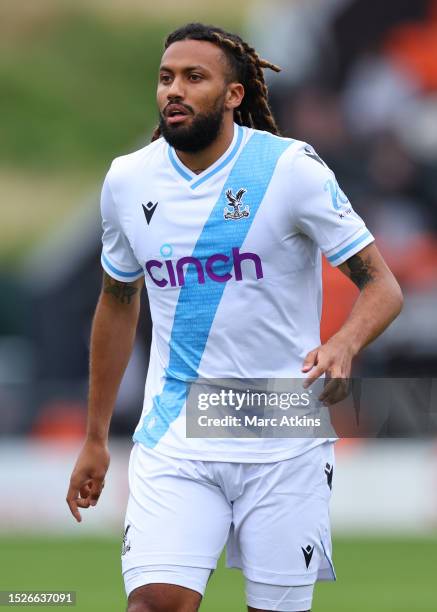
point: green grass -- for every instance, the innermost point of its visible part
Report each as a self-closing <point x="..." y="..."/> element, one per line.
<point x="78" y="91"/>
<point x="78" y="94"/>
<point x="377" y="575"/>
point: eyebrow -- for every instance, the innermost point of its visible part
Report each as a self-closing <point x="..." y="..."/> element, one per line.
<point x="187" y="69"/>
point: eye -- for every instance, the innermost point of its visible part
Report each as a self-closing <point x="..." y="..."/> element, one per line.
<point x="165" y="79"/>
<point x="195" y="77"/>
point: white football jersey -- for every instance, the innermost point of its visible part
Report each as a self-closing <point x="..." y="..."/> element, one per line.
<point x="232" y="266"/>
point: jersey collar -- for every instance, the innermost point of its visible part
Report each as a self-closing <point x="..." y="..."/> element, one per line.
<point x="197" y="179"/>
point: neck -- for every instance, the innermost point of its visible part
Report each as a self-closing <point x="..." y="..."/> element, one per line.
<point x="198" y="162"/>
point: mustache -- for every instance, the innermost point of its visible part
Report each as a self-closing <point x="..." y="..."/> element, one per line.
<point x="186" y="106"/>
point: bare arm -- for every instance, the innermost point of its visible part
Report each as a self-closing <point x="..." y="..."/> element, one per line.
<point x="112" y="339"/>
<point x="378" y="304"/>
<point x="380" y="300"/>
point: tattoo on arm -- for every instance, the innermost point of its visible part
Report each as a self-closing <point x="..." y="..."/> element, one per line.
<point x="123" y="292"/>
<point x="362" y="271"/>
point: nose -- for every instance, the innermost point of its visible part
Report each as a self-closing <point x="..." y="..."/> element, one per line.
<point x="175" y="90"/>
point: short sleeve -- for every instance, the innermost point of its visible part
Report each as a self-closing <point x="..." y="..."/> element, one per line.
<point x="323" y="212"/>
<point x="118" y="259"/>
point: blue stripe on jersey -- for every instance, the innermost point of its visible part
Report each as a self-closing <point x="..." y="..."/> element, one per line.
<point x="197" y="304"/>
<point x="109" y="265"/>
<point x="176" y="166"/>
<point x="349" y="247"/>
<point x="224" y="163"/>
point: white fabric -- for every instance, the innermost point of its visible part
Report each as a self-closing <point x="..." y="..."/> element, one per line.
<point x="284" y="598"/>
<point x="267" y="317"/>
<point x="182" y="512"/>
<point x="194" y="578"/>
<point x="117" y="249"/>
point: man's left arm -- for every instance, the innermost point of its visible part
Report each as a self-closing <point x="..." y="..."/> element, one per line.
<point x="378" y="304"/>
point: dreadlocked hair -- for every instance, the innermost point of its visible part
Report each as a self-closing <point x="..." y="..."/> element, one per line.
<point x="246" y="68"/>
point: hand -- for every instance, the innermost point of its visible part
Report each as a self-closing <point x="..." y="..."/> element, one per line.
<point x="88" y="477"/>
<point x="334" y="358"/>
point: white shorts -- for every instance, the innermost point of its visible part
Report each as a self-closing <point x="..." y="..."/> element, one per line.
<point x="273" y="518"/>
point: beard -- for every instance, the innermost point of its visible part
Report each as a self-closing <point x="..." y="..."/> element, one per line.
<point x="200" y="134"/>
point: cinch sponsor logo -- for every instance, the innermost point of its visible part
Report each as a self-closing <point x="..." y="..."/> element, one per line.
<point x="172" y="273"/>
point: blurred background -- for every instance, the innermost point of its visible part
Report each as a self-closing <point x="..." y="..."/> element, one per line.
<point x="359" y="83"/>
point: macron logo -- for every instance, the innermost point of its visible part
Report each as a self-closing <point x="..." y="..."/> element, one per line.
<point x="216" y="267"/>
<point x="308" y="554"/>
<point x="149" y="209"/>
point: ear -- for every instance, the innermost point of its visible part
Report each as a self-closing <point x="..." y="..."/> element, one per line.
<point x="234" y="96"/>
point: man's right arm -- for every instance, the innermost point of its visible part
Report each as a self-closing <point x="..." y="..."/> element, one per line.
<point x="112" y="339"/>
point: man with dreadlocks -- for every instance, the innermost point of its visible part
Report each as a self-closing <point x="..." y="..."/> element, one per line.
<point x="226" y="222"/>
